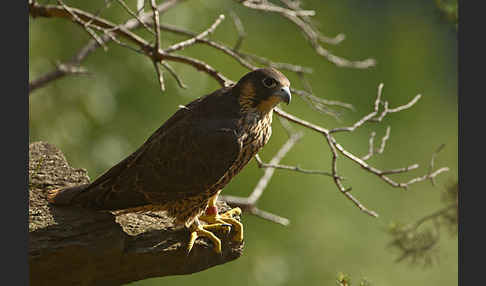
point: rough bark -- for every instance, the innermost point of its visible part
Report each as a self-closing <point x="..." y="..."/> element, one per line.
<point x="75" y="246"/>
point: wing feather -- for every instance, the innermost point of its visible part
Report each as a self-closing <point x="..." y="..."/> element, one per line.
<point x="188" y="154"/>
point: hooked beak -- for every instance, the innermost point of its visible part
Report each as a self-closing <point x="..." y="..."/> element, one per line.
<point x="284" y="94"/>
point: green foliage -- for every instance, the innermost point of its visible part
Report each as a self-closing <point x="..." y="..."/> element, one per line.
<point x="344" y="279"/>
<point x="449" y="10"/>
<point x="419" y="241"/>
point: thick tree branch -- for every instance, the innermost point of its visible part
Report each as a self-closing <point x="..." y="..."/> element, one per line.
<point x="98" y="248"/>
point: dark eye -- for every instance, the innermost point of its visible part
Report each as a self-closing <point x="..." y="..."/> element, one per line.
<point x="269" y="82"/>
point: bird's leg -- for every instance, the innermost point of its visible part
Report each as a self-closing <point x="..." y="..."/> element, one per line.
<point x="199" y="230"/>
<point x="213" y="217"/>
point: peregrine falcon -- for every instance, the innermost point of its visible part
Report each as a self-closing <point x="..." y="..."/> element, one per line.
<point x="183" y="166"/>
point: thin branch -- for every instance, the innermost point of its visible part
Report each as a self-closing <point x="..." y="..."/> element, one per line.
<point x="157" y="55"/>
<point x="312" y="35"/>
<point x="155" y="13"/>
<point x="197" y="64"/>
<point x="249" y="203"/>
<point x="192" y="41"/>
<point x="387" y="110"/>
<point x="400" y="170"/>
<point x="136" y="16"/>
<point x="432" y="161"/>
<point x="37" y="10"/>
<point x="370" y="148"/>
<point x="173" y="73"/>
<point x="273" y="8"/>
<point x="261" y="164"/>
<point x="160" y="77"/>
<point x="277" y="65"/>
<point x="269" y="216"/>
<point x="338" y="148"/>
<point x="295" y="5"/>
<point x="241" y="57"/>
<point x="345" y="191"/>
<point x="383" y="140"/>
<point x="239" y="28"/>
<point x="428" y="176"/>
<point x="265" y="179"/>
<point x="61" y="70"/>
<point x="156" y="16"/>
<point x="85" y="25"/>
<point x="140" y="8"/>
<point x="367" y="117"/>
<point x="111" y="36"/>
<point x="216" y="45"/>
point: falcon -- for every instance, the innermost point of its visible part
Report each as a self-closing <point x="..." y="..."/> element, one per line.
<point x="183" y="166"/>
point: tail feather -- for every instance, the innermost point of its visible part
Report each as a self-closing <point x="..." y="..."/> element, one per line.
<point x="66" y="195"/>
<point x="96" y="197"/>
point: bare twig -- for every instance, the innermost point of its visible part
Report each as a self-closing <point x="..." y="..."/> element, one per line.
<point x="265" y="6"/>
<point x="269" y="216"/>
<point x="37" y="10"/>
<point x="261" y="164"/>
<point x="136" y="16"/>
<point x="249" y="203"/>
<point x="262" y="184"/>
<point x="277" y="65"/>
<point x="345" y="191"/>
<point x="432" y="162"/>
<point x="400" y="170"/>
<point x="61" y="70"/>
<point x="383" y="140"/>
<point x="428" y="176"/>
<point x="140" y="7"/>
<point x="160" y="78"/>
<point x="313" y="36"/>
<point x="86" y="25"/>
<point x="239" y="28"/>
<point x="197" y="64"/>
<point x="320" y="104"/>
<point x="156" y="55"/>
<point x="387" y="110"/>
<point x="338" y="148"/>
<point x="173" y="73"/>
<point x="366" y="118"/>
<point x="155" y="14"/>
<point x="184" y="44"/>
<point x="370" y="148"/>
<point x="295" y="5"/>
<point x="216" y="45"/>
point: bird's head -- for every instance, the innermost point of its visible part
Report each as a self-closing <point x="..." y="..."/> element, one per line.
<point x="262" y="89"/>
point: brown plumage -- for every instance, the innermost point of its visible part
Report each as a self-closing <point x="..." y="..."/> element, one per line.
<point x="192" y="156"/>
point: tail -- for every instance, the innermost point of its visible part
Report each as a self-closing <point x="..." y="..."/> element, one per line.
<point x="67" y="195"/>
<point x="97" y="198"/>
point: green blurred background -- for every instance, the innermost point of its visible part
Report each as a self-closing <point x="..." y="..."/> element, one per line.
<point x="98" y="120"/>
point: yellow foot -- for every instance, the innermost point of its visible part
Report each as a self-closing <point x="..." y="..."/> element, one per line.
<point x="226" y="218"/>
<point x="198" y="230"/>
